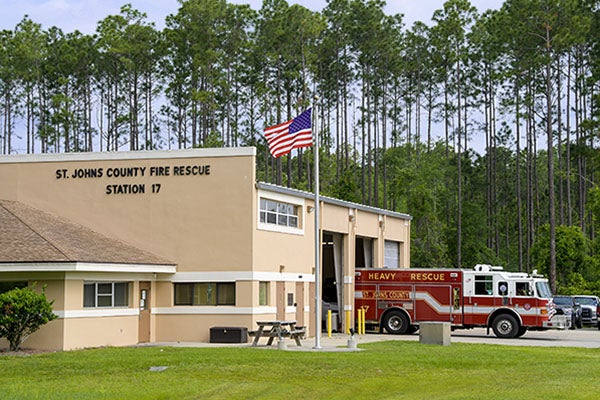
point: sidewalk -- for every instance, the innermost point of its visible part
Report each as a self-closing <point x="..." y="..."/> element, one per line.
<point x="338" y="342"/>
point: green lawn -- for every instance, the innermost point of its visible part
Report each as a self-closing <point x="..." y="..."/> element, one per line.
<point x="384" y="370"/>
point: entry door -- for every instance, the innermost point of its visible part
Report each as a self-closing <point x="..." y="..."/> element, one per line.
<point x="144" y="323"/>
<point x="280" y="299"/>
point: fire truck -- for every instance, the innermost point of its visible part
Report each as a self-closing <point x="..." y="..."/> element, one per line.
<point x="510" y="303"/>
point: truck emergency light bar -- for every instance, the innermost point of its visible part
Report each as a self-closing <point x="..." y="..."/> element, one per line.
<point x="487" y="268"/>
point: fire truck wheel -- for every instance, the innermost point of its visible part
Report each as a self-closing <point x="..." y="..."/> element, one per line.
<point x="522" y="331"/>
<point x="396" y="323"/>
<point x="505" y="326"/>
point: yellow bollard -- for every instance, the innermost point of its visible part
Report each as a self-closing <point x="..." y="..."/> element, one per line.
<point x="362" y="321"/>
<point x="359" y="322"/>
<point x="328" y="323"/>
<point x="348" y="321"/>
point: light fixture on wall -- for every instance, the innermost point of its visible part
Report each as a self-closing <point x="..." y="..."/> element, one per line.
<point x="351" y="216"/>
<point x="381" y="222"/>
<point x="310" y="209"/>
<point x="281" y="268"/>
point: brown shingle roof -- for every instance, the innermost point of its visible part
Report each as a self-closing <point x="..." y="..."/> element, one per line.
<point x="30" y="235"/>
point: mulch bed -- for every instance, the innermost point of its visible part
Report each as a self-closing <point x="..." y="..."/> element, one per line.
<point x="22" y="352"/>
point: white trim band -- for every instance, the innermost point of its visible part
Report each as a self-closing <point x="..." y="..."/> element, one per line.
<point x="131" y="155"/>
<point x="233" y="276"/>
<point x="98" y="312"/>
<point x="87" y="267"/>
<point x="212" y="310"/>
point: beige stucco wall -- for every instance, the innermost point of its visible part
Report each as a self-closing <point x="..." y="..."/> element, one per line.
<point x="192" y="220"/>
<point x="206" y="224"/>
<point x="76" y="333"/>
<point x="102" y="331"/>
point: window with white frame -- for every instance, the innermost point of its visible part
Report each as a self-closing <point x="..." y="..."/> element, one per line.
<point x="205" y="294"/>
<point x="278" y="213"/>
<point x="106" y="294"/>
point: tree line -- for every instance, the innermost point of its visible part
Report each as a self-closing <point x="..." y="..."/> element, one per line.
<point x="482" y="126"/>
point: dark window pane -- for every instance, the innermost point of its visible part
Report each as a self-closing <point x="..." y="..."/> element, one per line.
<point x="104" y="288"/>
<point x="104" y="301"/>
<point x="183" y="294"/>
<point x="226" y="294"/>
<point x="89" y="295"/>
<point x="8" y="286"/>
<point x="204" y="294"/>
<point x="121" y="294"/>
<point x="263" y="293"/>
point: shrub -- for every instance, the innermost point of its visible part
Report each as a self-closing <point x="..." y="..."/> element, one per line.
<point x="22" y="312"/>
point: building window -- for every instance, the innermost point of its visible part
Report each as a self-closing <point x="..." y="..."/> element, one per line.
<point x="8" y="286"/>
<point x="522" y="289"/>
<point x="205" y="294"/>
<point x="263" y="293"/>
<point x="278" y="213"/>
<point x="484" y="284"/>
<point x="106" y="294"/>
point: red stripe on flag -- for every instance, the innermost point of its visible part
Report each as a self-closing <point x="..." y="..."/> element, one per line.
<point x="281" y="141"/>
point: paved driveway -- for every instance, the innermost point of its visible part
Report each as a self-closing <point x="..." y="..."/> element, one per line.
<point x="587" y="338"/>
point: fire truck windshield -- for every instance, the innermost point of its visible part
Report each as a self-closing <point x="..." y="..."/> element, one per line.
<point x="543" y="289"/>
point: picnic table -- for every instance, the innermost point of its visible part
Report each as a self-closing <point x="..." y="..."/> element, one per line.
<point x="279" y="330"/>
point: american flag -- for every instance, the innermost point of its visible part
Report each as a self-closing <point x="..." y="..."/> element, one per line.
<point x="293" y="134"/>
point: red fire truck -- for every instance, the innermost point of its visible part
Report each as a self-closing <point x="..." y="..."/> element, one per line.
<point x="509" y="303"/>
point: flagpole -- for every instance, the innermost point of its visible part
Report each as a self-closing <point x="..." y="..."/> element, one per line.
<point x="318" y="316"/>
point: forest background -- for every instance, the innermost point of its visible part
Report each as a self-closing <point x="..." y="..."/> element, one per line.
<point x="483" y="127"/>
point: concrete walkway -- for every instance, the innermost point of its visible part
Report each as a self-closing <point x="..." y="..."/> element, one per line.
<point x="338" y="342"/>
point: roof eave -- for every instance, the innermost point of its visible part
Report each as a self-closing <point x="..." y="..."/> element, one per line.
<point x="87" y="267"/>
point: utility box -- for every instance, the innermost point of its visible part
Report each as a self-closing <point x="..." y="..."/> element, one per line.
<point x="228" y="334"/>
<point x="434" y="333"/>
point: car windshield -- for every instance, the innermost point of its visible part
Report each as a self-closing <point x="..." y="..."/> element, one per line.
<point x="543" y="290"/>
<point x="563" y="301"/>
<point x="587" y="301"/>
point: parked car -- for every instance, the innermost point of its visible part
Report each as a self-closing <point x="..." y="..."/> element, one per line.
<point x="568" y="306"/>
<point x="589" y="309"/>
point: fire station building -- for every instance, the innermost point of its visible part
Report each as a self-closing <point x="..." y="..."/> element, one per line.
<point x="156" y="246"/>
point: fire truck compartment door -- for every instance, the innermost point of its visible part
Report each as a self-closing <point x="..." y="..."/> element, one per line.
<point x="435" y="303"/>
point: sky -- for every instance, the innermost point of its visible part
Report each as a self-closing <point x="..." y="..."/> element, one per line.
<point x="83" y="15"/>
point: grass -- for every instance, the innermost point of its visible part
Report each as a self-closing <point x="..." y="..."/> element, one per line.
<point x="384" y="370"/>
